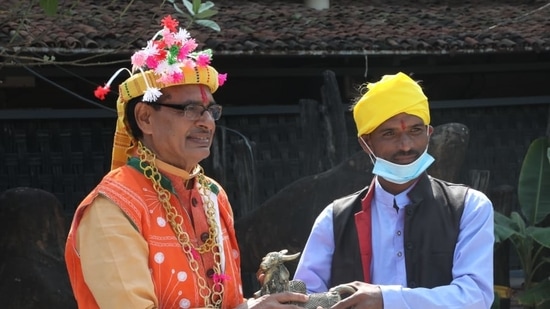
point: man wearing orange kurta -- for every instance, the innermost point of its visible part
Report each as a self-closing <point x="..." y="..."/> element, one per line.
<point x="156" y="232"/>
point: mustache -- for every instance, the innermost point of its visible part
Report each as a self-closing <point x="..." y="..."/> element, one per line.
<point x="406" y="154"/>
<point x="201" y="131"/>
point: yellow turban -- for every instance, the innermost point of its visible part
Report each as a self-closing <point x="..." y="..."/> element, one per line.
<point x="392" y="95"/>
<point x="136" y="86"/>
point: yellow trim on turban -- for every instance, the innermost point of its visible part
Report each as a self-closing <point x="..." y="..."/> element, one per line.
<point x="136" y="86"/>
<point x="392" y="95"/>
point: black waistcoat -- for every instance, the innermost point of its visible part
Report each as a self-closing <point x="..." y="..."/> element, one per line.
<point x="432" y="222"/>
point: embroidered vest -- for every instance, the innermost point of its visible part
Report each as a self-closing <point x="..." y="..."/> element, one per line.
<point x="432" y="223"/>
<point x="174" y="280"/>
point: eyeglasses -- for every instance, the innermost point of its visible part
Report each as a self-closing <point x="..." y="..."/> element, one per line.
<point x="194" y="111"/>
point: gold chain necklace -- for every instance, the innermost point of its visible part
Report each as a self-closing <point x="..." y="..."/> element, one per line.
<point x="212" y="296"/>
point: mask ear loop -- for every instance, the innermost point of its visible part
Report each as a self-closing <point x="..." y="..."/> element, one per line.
<point x="370" y="152"/>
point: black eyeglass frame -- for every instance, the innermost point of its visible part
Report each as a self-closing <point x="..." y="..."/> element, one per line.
<point x="216" y="115"/>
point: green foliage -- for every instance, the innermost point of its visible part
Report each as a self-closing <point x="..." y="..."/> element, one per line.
<point x="496" y="302"/>
<point x="198" y="12"/>
<point x="538" y="294"/>
<point x="49" y="6"/>
<point x="523" y="229"/>
<point x="533" y="179"/>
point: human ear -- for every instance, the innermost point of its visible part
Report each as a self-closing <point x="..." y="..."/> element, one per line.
<point x="430" y="130"/>
<point x="142" y="112"/>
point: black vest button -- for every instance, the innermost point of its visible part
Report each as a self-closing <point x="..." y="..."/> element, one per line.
<point x="409" y="245"/>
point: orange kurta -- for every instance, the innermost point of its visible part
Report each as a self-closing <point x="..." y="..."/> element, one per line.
<point x="175" y="283"/>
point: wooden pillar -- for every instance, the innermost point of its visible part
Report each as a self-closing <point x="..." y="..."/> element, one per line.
<point x="333" y="111"/>
<point x="479" y="179"/>
<point x="313" y="141"/>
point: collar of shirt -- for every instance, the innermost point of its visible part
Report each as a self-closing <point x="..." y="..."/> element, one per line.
<point x="385" y="199"/>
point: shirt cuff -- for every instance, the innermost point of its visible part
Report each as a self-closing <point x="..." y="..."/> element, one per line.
<point x="392" y="296"/>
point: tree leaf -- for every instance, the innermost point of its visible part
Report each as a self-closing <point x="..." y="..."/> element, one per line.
<point x="181" y="12"/>
<point x="504" y="227"/>
<point x="205" y="6"/>
<point x="49" y="6"/>
<point x="518" y="222"/>
<point x="196" y="6"/>
<point x="206" y="14"/>
<point x="502" y="233"/>
<point x="534" y="182"/>
<point x="176" y="7"/>
<point x="502" y="219"/>
<point x="208" y="23"/>
<point x="536" y="295"/>
<point x="540" y="235"/>
<point x="189" y="6"/>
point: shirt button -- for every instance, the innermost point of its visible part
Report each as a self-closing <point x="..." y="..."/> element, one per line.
<point x="399" y="254"/>
<point x="194" y="202"/>
<point x="398" y="233"/>
<point x="210" y="273"/>
<point x="204" y="236"/>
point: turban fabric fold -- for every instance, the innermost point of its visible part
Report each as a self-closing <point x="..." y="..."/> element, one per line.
<point x="392" y="95"/>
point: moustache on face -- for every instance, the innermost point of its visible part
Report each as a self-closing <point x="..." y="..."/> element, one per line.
<point x="201" y="131"/>
<point x="406" y="154"/>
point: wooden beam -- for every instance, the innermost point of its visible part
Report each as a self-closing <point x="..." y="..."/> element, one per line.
<point x="13" y="114"/>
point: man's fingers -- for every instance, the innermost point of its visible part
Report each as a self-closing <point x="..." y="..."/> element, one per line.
<point x="290" y="297"/>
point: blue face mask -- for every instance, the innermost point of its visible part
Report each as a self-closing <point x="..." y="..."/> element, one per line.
<point x="400" y="173"/>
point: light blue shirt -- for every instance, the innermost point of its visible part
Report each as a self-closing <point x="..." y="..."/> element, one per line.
<point x="472" y="285"/>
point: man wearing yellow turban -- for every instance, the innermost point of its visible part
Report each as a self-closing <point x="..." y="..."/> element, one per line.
<point x="407" y="240"/>
<point x="156" y="232"/>
<point x="392" y="95"/>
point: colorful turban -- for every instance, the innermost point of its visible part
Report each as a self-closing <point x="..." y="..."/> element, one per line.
<point x="392" y="95"/>
<point x="169" y="59"/>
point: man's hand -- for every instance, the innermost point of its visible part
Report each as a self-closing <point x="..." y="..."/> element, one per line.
<point x="277" y="300"/>
<point x="367" y="296"/>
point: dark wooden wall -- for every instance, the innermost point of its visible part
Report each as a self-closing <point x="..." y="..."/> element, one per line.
<point x="274" y="130"/>
<point x="256" y="154"/>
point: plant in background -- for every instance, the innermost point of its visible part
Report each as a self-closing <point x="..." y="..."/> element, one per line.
<point x="49" y="6"/>
<point x="198" y="12"/>
<point x="525" y="230"/>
